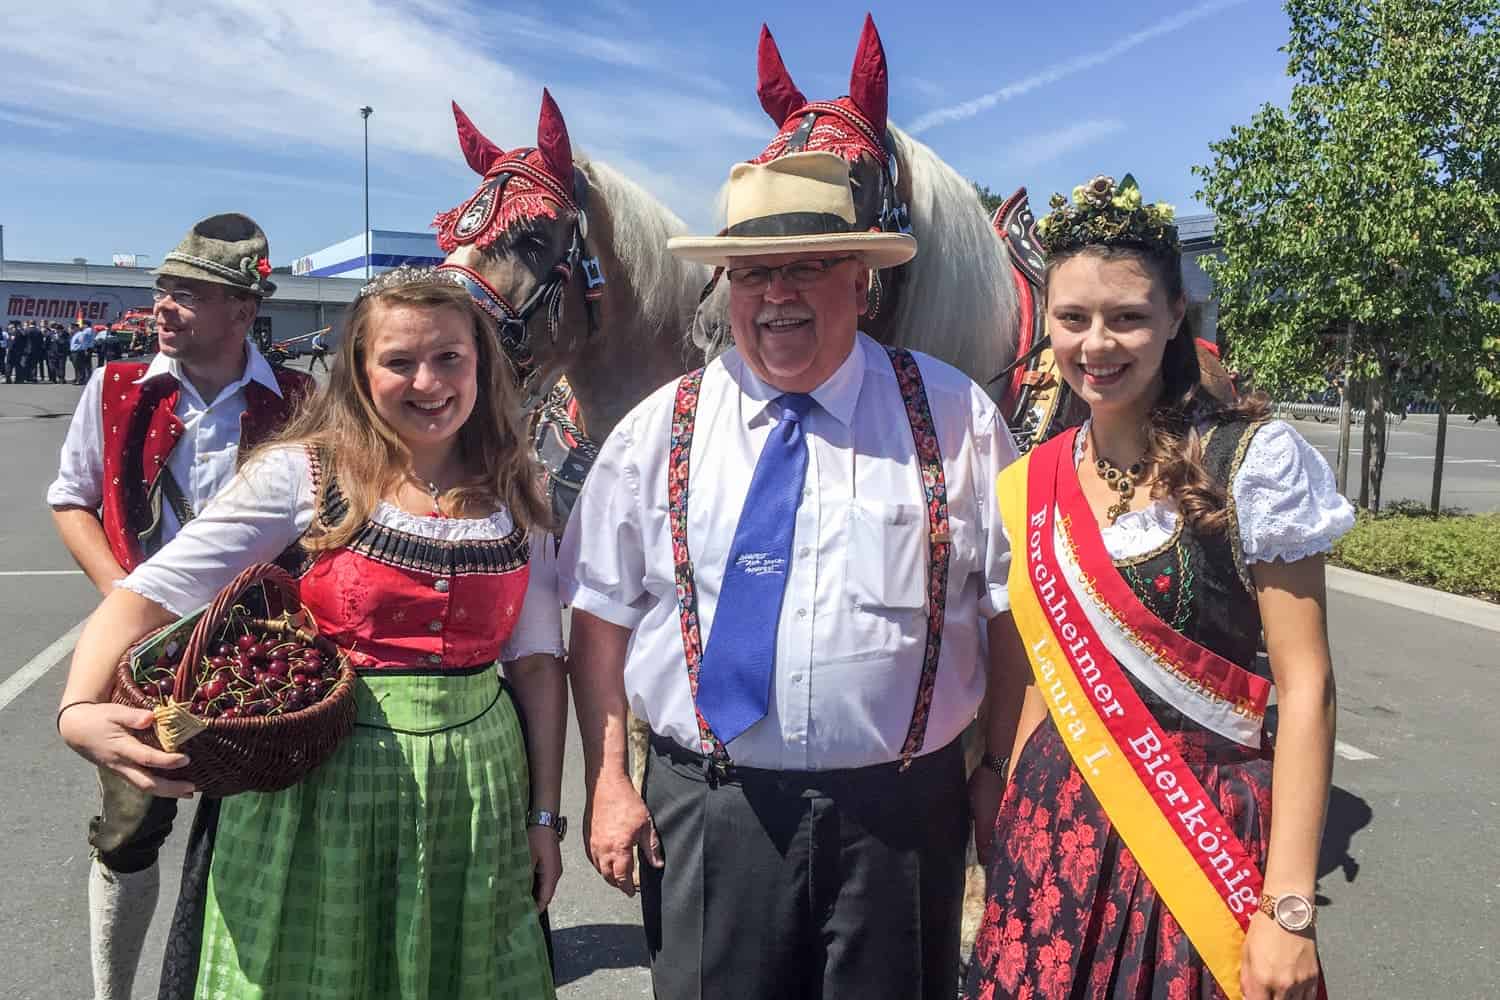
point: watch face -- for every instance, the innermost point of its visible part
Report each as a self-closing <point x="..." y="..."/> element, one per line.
<point x="1294" y="912"/>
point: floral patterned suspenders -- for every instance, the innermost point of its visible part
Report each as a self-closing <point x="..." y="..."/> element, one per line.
<point x="939" y="544"/>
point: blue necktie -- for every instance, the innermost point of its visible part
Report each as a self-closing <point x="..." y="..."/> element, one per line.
<point x="734" y="680"/>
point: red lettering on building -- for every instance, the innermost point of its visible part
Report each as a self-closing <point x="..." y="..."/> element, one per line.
<point x="69" y="309"/>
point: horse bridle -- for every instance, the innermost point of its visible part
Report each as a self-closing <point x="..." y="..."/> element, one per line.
<point x="514" y="322"/>
<point x="894" y="215"/>
<point x="1037" y="399"/>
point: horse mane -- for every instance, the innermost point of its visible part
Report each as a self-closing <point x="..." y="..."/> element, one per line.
<point x="665" y="287"/>
<point x="959" y="305"/>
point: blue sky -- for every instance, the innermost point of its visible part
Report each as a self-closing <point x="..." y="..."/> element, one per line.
<point x="122" y="122"/>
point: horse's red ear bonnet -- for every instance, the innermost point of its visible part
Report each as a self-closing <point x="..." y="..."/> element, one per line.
<point x="552" y="140"/>
<point x="519" y="186"/>
<point x="778" y="94"/>
<point x="479" y="151"/>
<point x="850" y="127"/>
<point x="869" y="82"/>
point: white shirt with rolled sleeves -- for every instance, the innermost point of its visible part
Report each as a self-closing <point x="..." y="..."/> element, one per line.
<point x="203" y="460"/>
<point x="853" y="624"/>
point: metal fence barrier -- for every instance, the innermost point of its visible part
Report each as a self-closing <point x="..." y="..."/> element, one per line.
<point x="1326" y="413"/>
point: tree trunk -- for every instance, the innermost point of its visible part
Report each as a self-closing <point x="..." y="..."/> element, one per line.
<point x="1366" y="446"/>
<point x="1437" y="459"/>
<point x="1344" y="415"/>
<point x="1375" y="415"/>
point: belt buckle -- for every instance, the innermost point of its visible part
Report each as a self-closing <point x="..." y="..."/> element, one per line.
<point x="716" y="770"/>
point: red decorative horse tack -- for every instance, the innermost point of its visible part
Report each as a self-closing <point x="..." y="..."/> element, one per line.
<point x="522" y="185"/>
<point x="851" y="126"/>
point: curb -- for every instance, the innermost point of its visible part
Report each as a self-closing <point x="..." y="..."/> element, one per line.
<point x="1455" y="607"/>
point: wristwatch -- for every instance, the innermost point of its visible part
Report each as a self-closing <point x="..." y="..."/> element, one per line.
<point x="992" y="763"/>
<point x="1292" y="910"/>
<point x="541" y="817"/>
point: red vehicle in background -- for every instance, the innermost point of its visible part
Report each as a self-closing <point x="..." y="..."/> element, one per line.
<point x="136" y="330"/>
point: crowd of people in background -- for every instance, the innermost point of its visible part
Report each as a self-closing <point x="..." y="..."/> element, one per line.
<point x="40" y="353"/>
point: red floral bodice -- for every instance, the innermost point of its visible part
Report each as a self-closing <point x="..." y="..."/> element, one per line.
<point x="401" y="598"/>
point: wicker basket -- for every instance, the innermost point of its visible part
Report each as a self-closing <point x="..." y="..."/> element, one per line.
<point x="246" y="754"/>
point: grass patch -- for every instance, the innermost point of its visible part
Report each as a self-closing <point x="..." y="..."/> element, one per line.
<point x="1459" y="553"/>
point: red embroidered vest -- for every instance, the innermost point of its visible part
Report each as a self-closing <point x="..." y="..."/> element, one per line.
<point x="141" y="429"/>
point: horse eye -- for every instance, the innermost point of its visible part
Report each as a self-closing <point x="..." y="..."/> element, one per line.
<point x="527" y="242"/>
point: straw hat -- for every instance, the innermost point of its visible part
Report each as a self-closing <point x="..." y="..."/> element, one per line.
<point x="797" y="203"/>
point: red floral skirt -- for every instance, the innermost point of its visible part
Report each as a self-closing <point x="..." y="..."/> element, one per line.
<point x="1069" y="913"/>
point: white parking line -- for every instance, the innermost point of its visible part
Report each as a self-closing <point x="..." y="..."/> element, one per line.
<point x="1348" y="751"/>
<point x="38" y="665"/>
<point x="41" y="572"/>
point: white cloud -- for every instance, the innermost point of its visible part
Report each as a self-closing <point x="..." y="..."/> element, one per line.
<point x="31" y="121"/>
<point x="1038" y="149"/>
<point x="1071" y="67"/>
<point x="278" y="75"/>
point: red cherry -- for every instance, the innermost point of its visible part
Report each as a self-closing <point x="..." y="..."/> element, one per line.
<point x="213" y="688"/>
<point x="278" y="668"/>
<point x="244" y="642"/>
<point x="232" y="712"/>
<point x="164" y="687"/>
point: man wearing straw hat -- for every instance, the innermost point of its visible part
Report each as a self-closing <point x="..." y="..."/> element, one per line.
<point x="783" y="564"/>
<point x="148" y="446"/>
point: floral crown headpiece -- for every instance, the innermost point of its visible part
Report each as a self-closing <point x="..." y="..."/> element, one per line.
<point x="401" y="277"/>
<point x="1105" y="214"/>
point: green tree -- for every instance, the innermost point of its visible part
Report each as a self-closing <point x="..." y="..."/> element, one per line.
<point x="989" y="199"/>
<point x="1369" y="209"/>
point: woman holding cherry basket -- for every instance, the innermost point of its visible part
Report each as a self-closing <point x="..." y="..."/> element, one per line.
<point x="414" y="861"/>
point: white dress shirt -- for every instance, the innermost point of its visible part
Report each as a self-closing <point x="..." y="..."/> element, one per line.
<point x="202" y="461"/>
<point x="853" y="624"/>
<point x="270" y="504"/>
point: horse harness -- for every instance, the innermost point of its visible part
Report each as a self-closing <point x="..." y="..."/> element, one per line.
<point x="717" y="763"/>
<point x="514" y="322"/>
<point x="1036" y="398"/>
<point x="566" y="453"/>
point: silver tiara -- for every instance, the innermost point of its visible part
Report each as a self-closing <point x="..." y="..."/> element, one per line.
<point x="405" y="275"/>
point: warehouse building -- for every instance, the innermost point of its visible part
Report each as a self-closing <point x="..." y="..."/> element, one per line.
<point x="34" y="290"/>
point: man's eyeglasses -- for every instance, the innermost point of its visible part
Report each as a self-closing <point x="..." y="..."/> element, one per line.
<point x="184" y="298"/>
<point x="797" y="275"/>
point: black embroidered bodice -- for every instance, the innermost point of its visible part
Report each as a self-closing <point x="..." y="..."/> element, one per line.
<point x="1198" y="583"/>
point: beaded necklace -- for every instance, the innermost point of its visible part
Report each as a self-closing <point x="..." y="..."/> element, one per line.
<point x="1122" y="481"/>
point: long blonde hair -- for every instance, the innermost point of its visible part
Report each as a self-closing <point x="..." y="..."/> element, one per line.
<point x="367" y="458"/>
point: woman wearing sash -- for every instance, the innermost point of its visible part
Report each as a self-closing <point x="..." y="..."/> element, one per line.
<point x="412" y="864"/>
<point x="1149" y="844"/>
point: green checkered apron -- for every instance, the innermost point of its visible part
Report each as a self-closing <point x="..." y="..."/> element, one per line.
<point x="399" y="868"/>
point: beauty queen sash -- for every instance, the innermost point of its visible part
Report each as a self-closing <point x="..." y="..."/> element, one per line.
<point x="1074" y="612"/>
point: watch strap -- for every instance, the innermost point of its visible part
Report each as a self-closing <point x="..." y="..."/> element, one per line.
<point x="549" y="819"/>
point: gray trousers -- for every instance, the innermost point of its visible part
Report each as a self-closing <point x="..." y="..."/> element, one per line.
<point x="792" y="884"/>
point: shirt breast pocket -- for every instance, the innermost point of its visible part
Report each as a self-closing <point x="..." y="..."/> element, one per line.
<point x="885" y="562"/>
